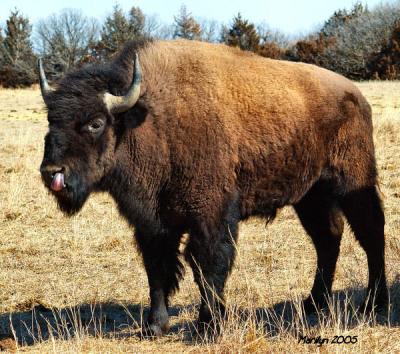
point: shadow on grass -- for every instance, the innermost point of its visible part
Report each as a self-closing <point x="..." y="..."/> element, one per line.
<point x="343" y="309"/>
<point x="105" y="320"/>
<point x="118" y="321"/>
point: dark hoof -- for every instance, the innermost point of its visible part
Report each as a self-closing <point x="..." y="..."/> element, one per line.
<point x="153" y="331"/>
<point x="207" y="330"/>
<point x="312" y="306"/>
<point x="209" y="323"/>
<point x="371" y="305"/>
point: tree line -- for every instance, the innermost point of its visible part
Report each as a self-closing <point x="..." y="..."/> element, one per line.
<point x="359" y="43"/>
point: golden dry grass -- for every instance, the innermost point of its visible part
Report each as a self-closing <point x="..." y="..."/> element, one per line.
<point x="78" y="285"/>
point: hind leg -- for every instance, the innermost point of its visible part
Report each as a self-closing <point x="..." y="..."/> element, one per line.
<point x="322" y="219"/>
<point x="364" y="213"/>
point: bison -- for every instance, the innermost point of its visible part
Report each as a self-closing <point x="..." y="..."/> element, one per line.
<point x="192" y="137"/>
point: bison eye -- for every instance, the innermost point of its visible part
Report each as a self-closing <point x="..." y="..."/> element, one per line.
<point x="96" y="126"/>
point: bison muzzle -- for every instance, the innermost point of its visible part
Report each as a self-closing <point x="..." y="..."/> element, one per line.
<point x="192" y="137"/>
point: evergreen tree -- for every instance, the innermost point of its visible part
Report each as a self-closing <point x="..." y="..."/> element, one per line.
<point x="241" y="34"/>
<point x="17" y="60"/>
<point x="119" y="28"/>
<point x="186" y="26"/>
<point x="115" y="31"/>
<point x="137" y="22"/>
<point x="16" y="44"/>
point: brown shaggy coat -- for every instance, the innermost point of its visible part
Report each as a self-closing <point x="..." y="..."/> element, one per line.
<point x="233" y="122"/>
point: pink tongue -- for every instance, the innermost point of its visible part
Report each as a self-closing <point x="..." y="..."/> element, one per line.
<point x="57" y="183"/>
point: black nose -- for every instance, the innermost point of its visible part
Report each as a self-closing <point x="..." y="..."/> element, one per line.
<point x="48" y="172"/>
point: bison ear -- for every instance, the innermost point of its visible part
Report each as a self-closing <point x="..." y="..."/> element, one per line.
<point x="135" y="116"/>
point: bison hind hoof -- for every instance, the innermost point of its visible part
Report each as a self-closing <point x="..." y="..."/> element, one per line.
<point x="153" y="331"/>
<point x="379" y="306"/>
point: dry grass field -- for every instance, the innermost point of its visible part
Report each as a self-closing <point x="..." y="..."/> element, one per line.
<point x="78" y="285"/>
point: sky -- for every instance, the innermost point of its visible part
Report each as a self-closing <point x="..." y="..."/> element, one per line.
<point x="294" y="17"/>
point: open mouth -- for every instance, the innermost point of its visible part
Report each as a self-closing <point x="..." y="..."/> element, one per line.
<point x="57" y="183"/>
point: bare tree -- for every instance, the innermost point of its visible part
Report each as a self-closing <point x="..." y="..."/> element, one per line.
<point x="360" y="38"/>
<point x="210" y="30"/>
<point x="65" y="38"/>
<point x="152" y="25"/>
<point x="164" y="32"/>
<point x="155" y="28"/>
<point x="269" y="35"/>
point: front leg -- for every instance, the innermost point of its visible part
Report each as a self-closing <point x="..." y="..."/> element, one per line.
<point x="211" y="253"/>
<point x="164" y="270"/>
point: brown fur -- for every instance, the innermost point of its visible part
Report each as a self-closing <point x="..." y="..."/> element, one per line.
<point x="264" y="128"/>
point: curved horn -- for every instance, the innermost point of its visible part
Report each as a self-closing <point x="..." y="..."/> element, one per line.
<point x="119" y="104"/>
<point x="44" y="85"/>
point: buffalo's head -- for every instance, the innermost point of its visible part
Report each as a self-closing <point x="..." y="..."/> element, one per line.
<point x="81" y="141"/>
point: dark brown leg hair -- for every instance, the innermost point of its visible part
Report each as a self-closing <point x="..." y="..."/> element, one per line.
<point x="321" y="218"/>
<point x="364" y="213"/>
<point x="164" y="270"/>
<point x="211" y="263"/>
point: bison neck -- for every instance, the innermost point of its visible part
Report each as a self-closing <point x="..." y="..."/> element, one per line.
<point x="136" y="181"/>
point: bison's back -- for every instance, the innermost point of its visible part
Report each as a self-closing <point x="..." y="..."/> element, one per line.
<point x="247" y="92"/>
